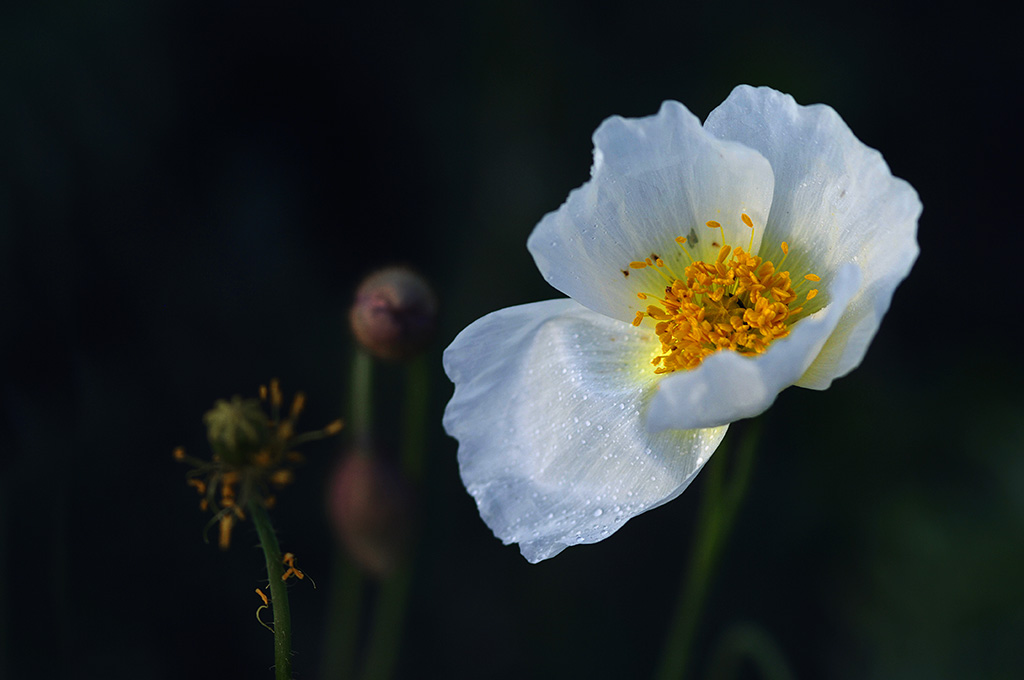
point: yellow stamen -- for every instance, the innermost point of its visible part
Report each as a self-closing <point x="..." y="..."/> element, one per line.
<point x="737" y="301"/>
<point x="681" y="240"/>
<point x="716" y="225"/>
<point x="750" y="223"/>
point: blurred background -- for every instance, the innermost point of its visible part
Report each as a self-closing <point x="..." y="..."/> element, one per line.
<point x="191" y="191"/>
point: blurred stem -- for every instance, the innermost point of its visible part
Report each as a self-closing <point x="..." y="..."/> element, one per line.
<point x="750" y="641"/>
<point x="361" y="406"/>
<point x="720" y="503"/>
<point x="341" y="648"/>
<point x="389" y="617"/>
<point x="5" y="547"/>
<point x="386" y="634"/>
<point x="278" y="590"/>
<point x="417" y="400"/>
<point x="343" y="624"/>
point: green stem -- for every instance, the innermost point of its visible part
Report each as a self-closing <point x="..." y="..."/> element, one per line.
<point x="386" y="634"/>
<point x="417" y="400"/>
<point x="278" y="591"/>
<point x="747" y="640"/>
<point x="343" y="619"/>
<point x="361" y="406"/>
<point x="389" y="617"/>
<point x="720" y="503"/>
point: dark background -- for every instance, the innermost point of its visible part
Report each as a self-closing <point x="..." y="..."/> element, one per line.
<point x="191" y="191"/>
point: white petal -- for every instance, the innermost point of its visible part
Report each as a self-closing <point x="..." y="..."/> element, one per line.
<point x="548" y="410"/>
<point x="653" y="179"/>
<point x="728" y="386"/>
<point x="835" y="202"/>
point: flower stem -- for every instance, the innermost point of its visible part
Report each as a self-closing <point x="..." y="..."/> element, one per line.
<point x="720" y="503"/>
<point x="343" y="619"/>
<point x="392" y="601"/>
<point x="417" y="401"/>
<point x="747" y="640"/>
<point x="361" y="406"/>
<point x="278" y="591"/>
<point x="348" y="583"/>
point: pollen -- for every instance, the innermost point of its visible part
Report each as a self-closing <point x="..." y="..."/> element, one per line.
<point x="738" y="301"/>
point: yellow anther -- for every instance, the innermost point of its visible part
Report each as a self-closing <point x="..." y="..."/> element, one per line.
<point x="785" y="248"/>
<point x="282" y="477"/>
<point x="812" y="293"/>
<point x="637" y="265"/>
<point x="333" y="427"/>
<point x="746" y="220"/>
<point x="642" y="296"/>
<point x="660" y="262"/>
<point x="298" y="404"/>
<point x="813" y="277"/>
<point x="680" y="240"/>
<point x="638" y="319"/>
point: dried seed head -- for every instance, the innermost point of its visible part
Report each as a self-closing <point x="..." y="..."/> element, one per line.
<point x="237" y="429"/>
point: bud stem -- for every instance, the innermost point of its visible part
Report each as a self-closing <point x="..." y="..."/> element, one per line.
<point x="361" y="407"/>
<point x="278" y="590"/>
<point x="392" y="602"/>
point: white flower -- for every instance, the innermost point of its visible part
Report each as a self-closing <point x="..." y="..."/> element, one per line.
<point x="575" y="415"/>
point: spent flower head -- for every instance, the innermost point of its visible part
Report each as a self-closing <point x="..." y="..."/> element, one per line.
<point x="253" y="454"/>
<point x="708" y="268"/>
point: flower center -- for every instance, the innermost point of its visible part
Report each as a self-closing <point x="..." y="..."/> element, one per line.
<point x="738" y="302"/>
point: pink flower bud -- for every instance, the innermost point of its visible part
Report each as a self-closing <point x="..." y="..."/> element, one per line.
<point x="394" y="313"/>
<point x="368" y="505"/>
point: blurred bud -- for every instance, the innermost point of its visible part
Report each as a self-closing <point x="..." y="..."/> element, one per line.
<point x="394" y="313"/>
<point x="369" y="507"/>
<point x="237" y="429"/>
